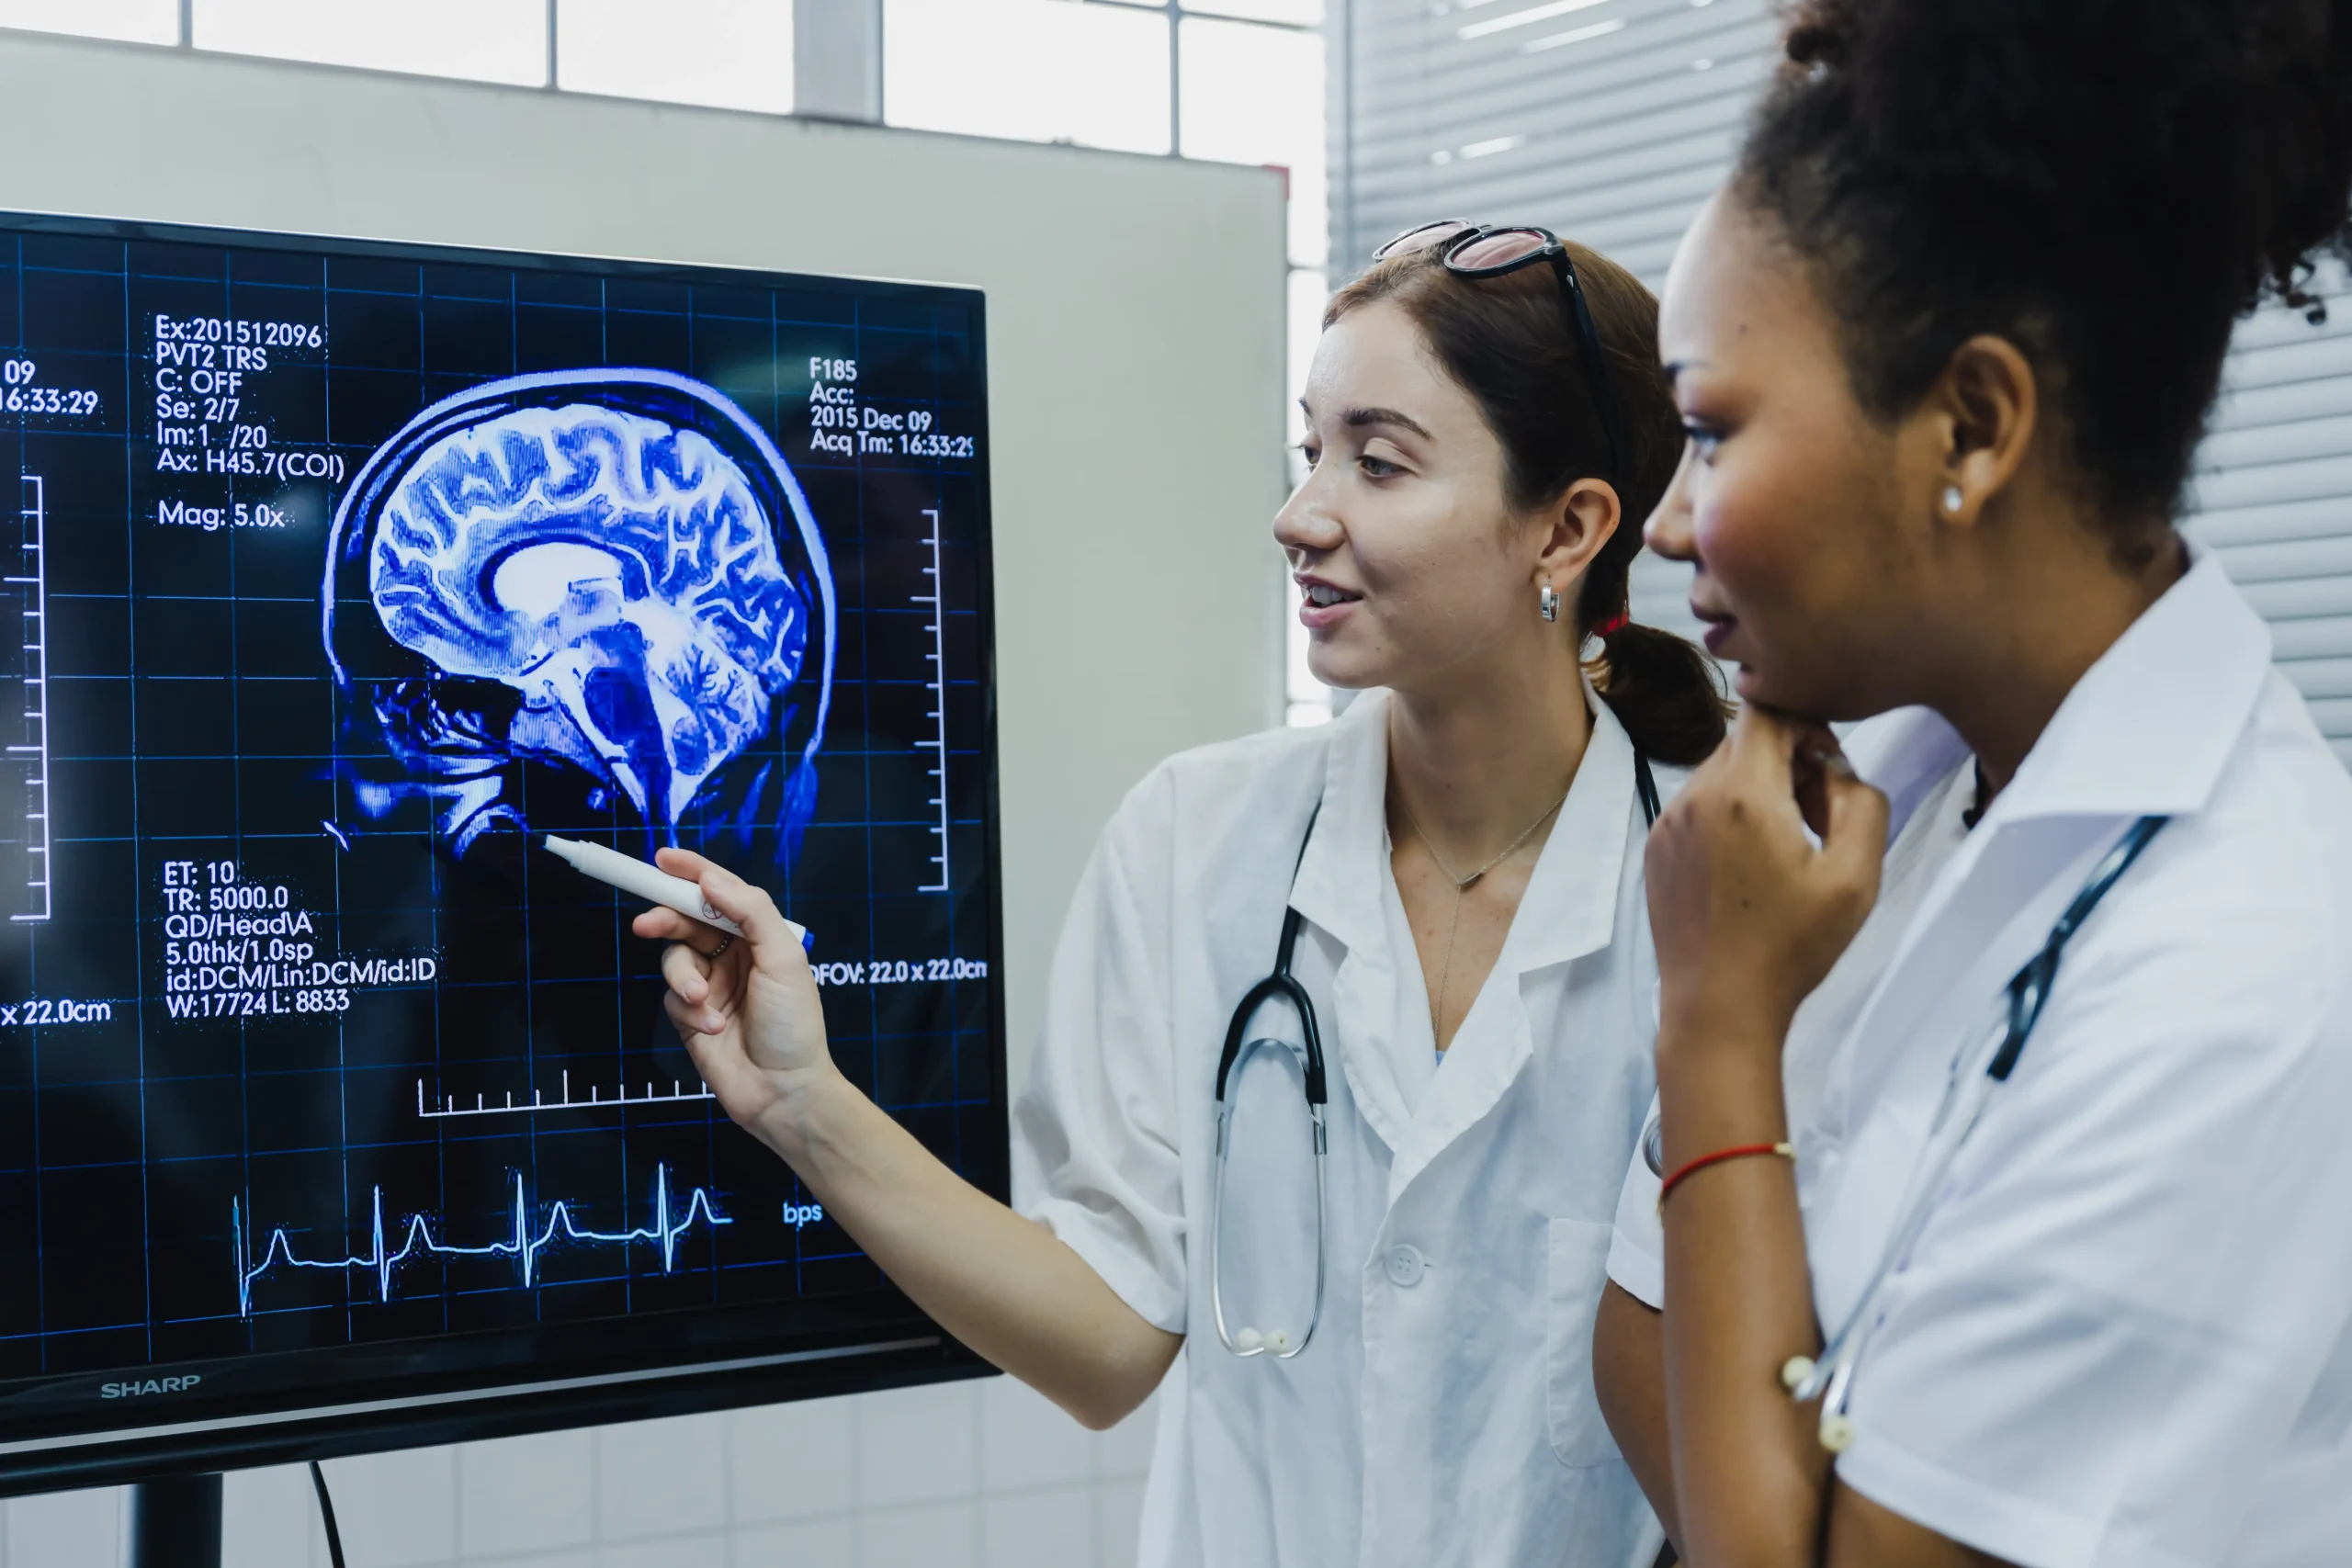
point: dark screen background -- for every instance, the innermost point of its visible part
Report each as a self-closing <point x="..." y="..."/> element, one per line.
<point x="175" y="1186"/>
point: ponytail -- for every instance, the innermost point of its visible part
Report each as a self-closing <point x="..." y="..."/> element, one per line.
<point x="1665" y="692"/>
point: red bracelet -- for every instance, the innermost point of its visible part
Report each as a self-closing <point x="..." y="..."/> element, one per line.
<point x="1740" y="1151"/>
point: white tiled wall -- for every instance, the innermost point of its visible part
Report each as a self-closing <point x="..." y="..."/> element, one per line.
<point x="961" y="1475"/>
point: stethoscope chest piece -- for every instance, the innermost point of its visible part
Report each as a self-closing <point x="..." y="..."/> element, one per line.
<point x="1278" y="987"/>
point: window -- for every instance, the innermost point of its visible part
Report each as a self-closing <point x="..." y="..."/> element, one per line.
<point x="139" y="21"/>
<point x="485" y="41"/>
<point x="1304" y="13"/>
<point x="1254" y="94"/>
<point x="1032" y="70"/>
<point x="733" y="54"/>
<point x="1247" y="78"/>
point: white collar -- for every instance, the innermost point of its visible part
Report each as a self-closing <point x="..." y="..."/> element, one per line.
<point x="1338" y="885"/>
<point x="2148" y="728"/>
<point x="1569" y="910"/>
<point x="1570" y="904"/>
<point x="1904" y="754"/>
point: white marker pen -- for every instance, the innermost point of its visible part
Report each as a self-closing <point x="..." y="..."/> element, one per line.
<point x="650" y="882"/>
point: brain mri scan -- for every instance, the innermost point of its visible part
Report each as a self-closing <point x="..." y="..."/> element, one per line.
<point x="338" y="575"/>
<point x="575" y="597"/>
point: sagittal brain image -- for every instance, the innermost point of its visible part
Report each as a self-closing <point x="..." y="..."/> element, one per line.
<point x="593" y="595"/>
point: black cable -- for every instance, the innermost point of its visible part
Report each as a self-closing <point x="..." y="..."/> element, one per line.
<point x="326" y="1515"/>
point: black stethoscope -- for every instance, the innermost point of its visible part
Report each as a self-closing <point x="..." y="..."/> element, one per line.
<point x="1281" y="985"/>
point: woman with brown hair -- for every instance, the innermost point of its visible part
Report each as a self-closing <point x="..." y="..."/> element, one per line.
<point x="1380" y="1267"/>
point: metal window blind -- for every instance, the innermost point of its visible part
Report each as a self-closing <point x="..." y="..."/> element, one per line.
<point x="1611" y="120"/>
<point x="2273" y="494"/>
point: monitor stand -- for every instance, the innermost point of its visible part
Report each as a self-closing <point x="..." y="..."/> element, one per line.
<point x="175" y="1522"/>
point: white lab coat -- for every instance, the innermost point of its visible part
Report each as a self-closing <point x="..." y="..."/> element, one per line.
<point x="2124" y="1339"/>
<point x="1443" y="1413"/>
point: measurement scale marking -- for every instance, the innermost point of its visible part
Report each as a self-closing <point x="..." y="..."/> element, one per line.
<point x="33" y="754"/>
<point x="449" y="1108"/>
<point x="938" y="684"/>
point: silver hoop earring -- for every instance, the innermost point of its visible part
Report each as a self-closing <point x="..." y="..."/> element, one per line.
<point x="1547" y="600"/>
<point x="1953" y="500"/>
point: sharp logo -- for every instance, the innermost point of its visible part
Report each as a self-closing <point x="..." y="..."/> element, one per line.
<point x="144" y="1387"/>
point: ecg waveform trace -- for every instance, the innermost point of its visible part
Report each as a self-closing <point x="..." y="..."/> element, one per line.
<point x="521" y="1244"/>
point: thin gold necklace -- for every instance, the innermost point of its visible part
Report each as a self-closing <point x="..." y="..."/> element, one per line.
<point x="1462" y="887"/>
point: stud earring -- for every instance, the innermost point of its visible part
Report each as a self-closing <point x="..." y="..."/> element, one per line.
<point x="1954" y="499"/>
<point x="1547" y="600"/>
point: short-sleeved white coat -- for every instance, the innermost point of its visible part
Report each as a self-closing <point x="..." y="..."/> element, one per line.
<point x="2124" y="1339"/>
<point x="1443" y="1414"/>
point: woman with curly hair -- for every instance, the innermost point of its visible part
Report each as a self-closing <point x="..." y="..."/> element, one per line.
<point x="2051" y="1265"/>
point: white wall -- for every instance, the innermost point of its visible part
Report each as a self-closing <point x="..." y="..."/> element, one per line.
<point x="1136" y="371"/>
<point x="964" y="1475"/>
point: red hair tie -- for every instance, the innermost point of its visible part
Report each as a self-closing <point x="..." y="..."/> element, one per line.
<point x="1614" y="623"/>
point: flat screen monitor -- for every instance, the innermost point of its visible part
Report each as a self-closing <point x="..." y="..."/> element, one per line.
<point x="335" y="1111"/>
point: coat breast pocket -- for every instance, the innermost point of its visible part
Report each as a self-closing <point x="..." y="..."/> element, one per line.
<point x="1576" y="1266"/>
